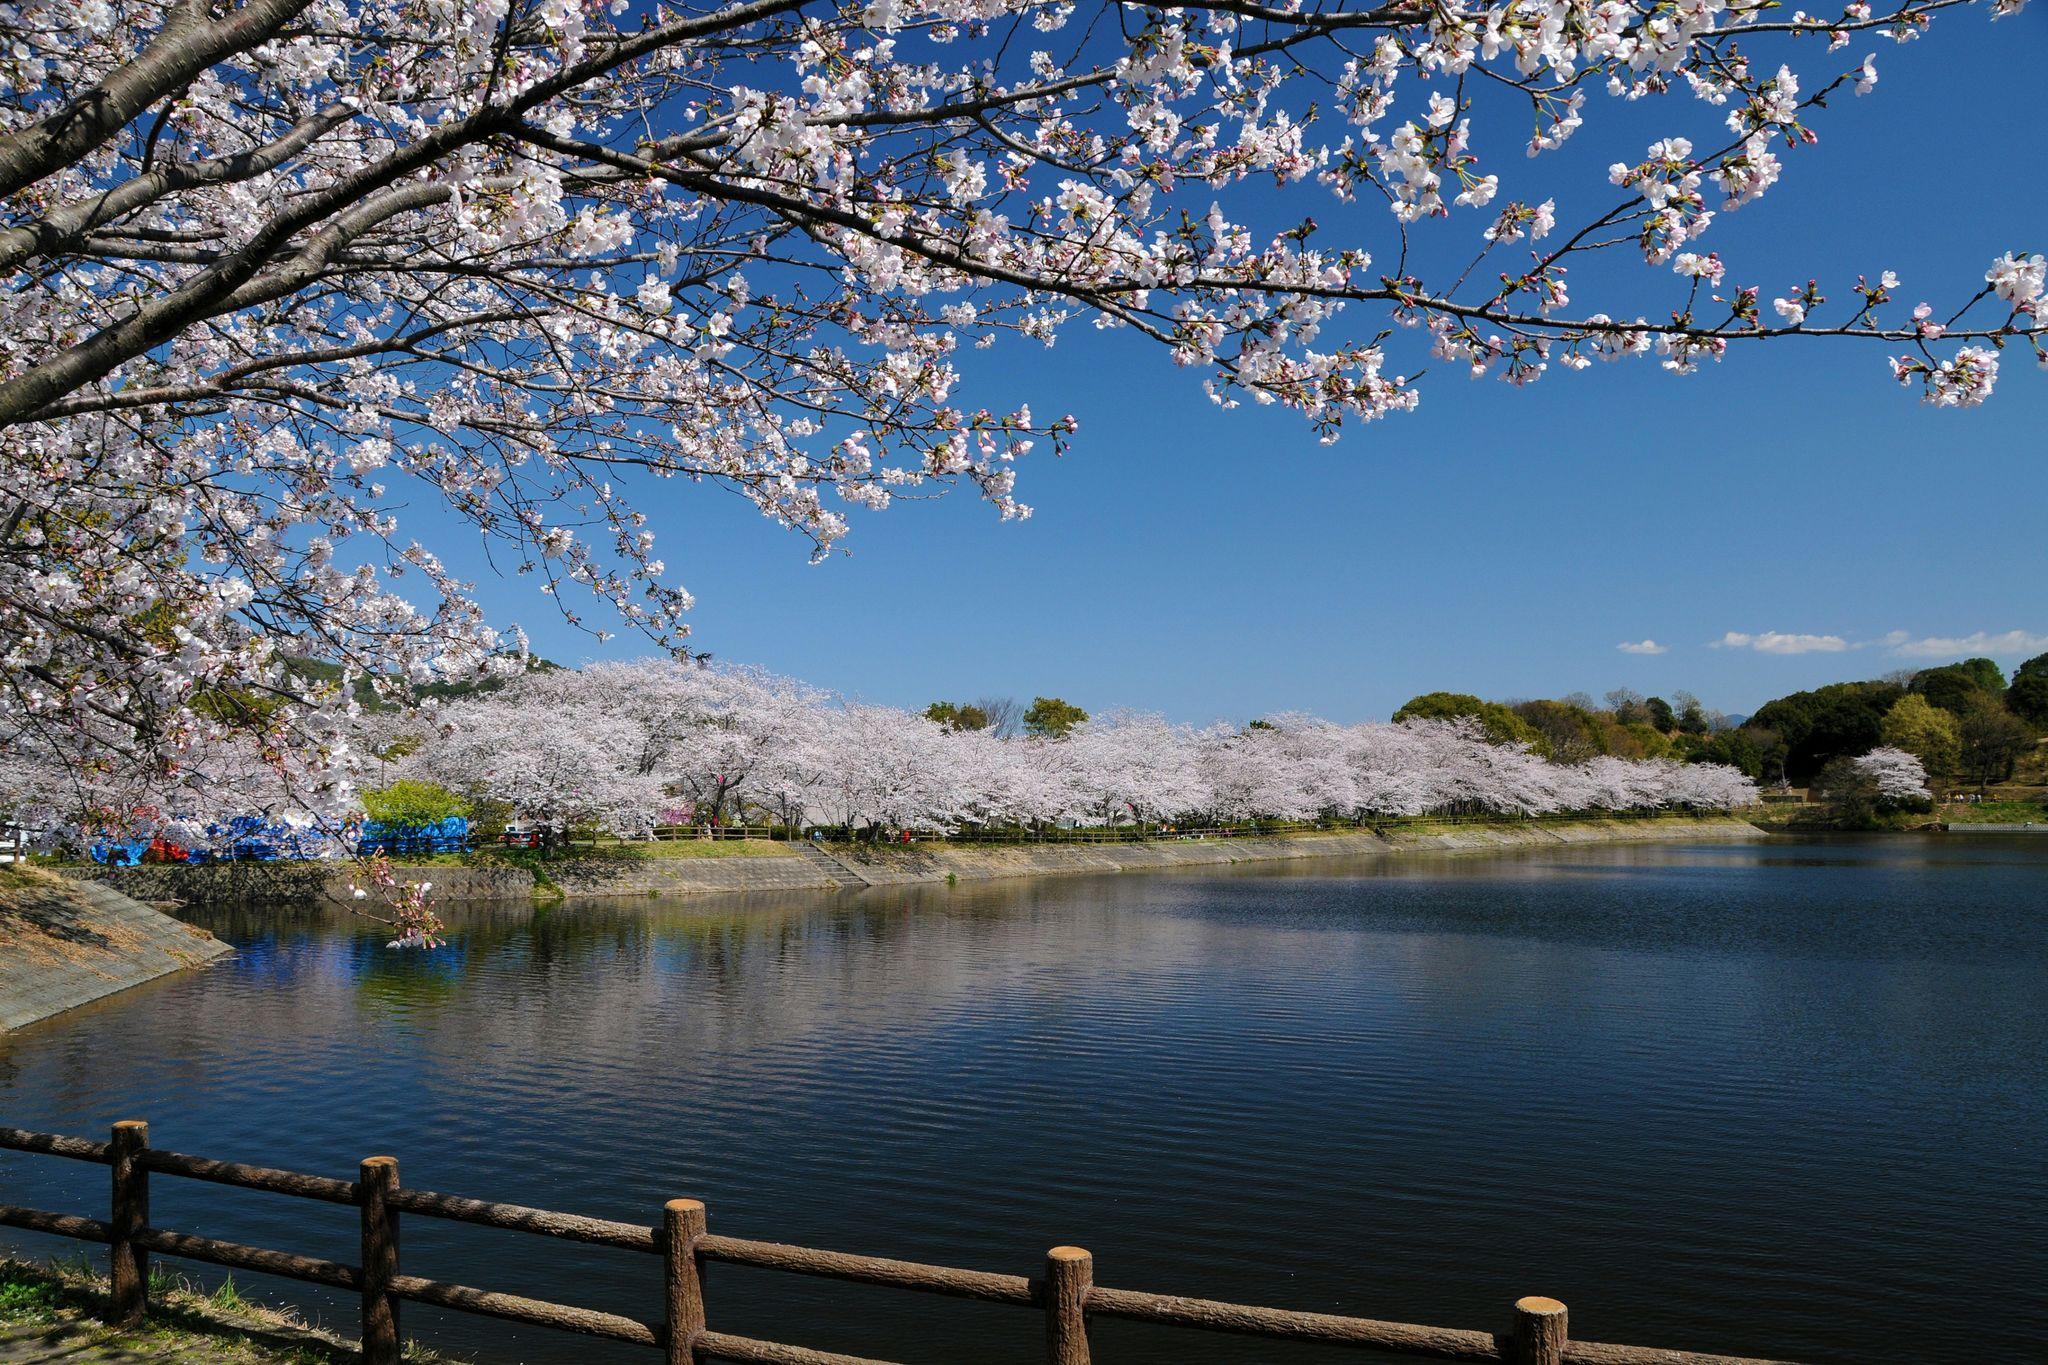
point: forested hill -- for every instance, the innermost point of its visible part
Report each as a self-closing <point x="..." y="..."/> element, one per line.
<point x="1967" y="722"/>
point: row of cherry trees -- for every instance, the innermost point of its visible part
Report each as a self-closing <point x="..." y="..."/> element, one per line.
<point x="620" y="745"/>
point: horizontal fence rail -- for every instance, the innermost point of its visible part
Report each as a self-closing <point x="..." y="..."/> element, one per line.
<point x="1065" y="1295"/>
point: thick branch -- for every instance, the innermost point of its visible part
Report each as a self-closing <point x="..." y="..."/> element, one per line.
<point x="189" y="43"/>
<point x="66" y="227"/>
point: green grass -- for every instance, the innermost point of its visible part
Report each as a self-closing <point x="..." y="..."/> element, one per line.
<point x="27" y="1301"/>
<point x="709" y="848"/>
<point x="227" y="1297"/>
<point x="185" y="1324"/>
<point x="1995" y="813"/>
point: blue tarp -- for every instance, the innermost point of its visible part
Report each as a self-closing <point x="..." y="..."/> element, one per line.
<point x="127" y="853"/>
<point x="443" y="836"/>
<point x="252" y="838"/>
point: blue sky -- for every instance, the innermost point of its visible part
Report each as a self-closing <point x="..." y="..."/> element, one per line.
<point x="1498" y="541"/>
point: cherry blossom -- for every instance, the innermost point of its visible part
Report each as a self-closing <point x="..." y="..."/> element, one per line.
<point x="1897" y="777"/>
<point x="281" y="269"/>
<point x="617" y="745"/>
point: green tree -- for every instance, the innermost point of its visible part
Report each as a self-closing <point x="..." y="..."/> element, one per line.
<point x="1841" y="719"/>
<point x="957" y="715"/>
<point x="1661" y="715"/>
<point x="1627" y="705"/>
<point x="1053" y="718"/>
<point x="2027" y="698"/>
<point x="1564" y="733"/>
<point x="1693" y="718"/>
<point x="1499" y="723"/>
<point x="1956" y="687"/>
<point x="1993" y="739"/>
<point x="1849" y="794"/>
<point x="1925" y="731"/>
<point x="1645" y="741"/>
<point x="1985" y="672"/>
<point x="1757" y="751"/>
<point x="411" y="804"/>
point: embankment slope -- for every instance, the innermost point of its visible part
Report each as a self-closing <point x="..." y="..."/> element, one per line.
<point x="66" y="942"/>
<point x="843" y="865"/>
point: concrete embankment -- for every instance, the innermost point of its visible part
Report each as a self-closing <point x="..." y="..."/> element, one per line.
<point x="64" y="943"/>
<point x="842" y="865"/>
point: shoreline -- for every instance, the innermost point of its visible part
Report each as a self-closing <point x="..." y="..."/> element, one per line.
<point x="814" y="867"/>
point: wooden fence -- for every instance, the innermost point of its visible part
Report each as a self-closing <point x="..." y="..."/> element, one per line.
<point x="1065" y="1296"/>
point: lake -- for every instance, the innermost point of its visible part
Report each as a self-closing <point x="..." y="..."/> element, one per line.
<point x="1784" y="1098"/>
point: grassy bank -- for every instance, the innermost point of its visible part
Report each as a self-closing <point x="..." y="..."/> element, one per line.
<point x="706" y="848"/>
<point x="1995" y="813"/>
<point x="49" y="1312"/>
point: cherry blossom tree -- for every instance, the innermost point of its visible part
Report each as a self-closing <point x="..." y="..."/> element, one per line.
<point x="712" y="736"/>
<point x="896" y="770"/>
<point x="1896" y="778"/>
<point x="616" y="744"/>
<point x="562" y="746"/>
<point x="276" y="267"/>
<point x="1129" y="768"/>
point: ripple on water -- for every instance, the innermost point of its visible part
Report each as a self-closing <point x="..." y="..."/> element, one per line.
<point x="1723" y="1098"/>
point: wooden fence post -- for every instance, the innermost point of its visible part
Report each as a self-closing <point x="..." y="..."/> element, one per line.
<point x="127" y="1263"/>
<point x="1069" y="1272"/>
<point x="1540" y="1330"/>
<point x="379" y="1177"/>
<point x="683" y="1221"/>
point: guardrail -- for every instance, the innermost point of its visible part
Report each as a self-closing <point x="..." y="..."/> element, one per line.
<point x="1065" y="1295"/>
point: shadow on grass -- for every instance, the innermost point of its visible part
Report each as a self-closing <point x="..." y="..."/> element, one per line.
<point x="68" y="1296"/>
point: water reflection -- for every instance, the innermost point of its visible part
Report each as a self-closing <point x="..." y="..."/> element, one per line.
<point x="1718" y="1097"/>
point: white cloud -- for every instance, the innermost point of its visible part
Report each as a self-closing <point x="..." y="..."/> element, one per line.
<point x="2010" y="643"/>
<point x="1778" y="642"/>
<point x="1642" y="647"/>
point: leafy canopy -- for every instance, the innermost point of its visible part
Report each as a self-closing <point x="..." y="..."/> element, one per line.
<point x="413" y="804"/>
<point x="1053" y="718"/>
<point x="1499" y="722"/>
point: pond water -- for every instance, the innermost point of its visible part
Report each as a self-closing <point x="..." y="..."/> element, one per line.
<point x="1784" y="1099"/>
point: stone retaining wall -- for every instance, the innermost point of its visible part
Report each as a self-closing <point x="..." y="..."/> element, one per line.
<point x="295" y="883"/>
<point x="617" y="876"/>
<point x="63" y="943"/>
<point x="838" y="865"/>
